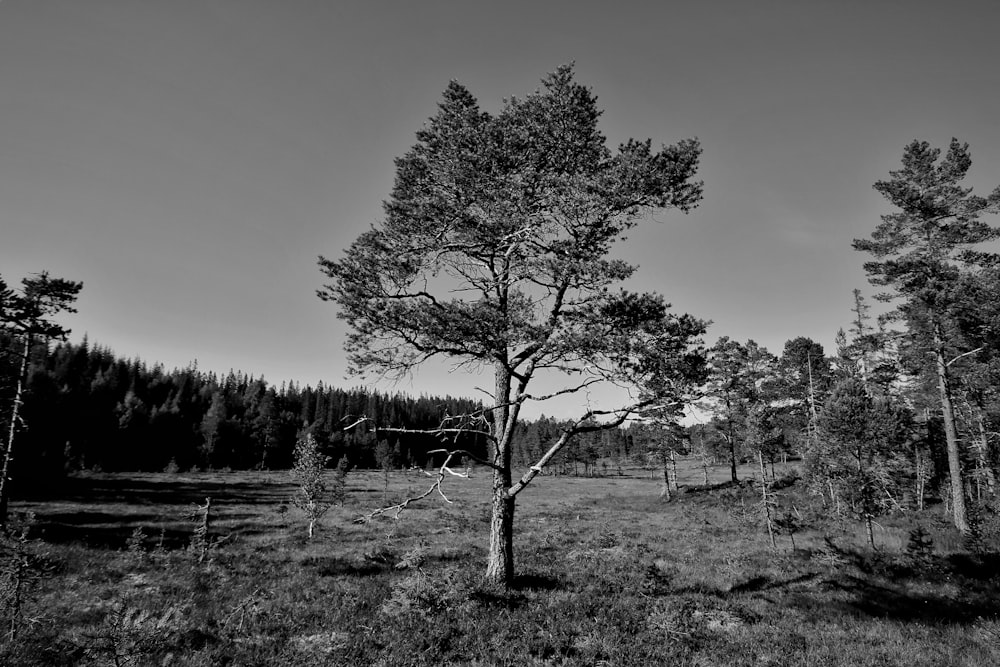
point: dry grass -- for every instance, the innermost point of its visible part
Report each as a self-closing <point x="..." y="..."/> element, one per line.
<point x="609" y="575"/>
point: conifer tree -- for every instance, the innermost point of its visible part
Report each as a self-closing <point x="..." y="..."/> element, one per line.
<point x="861" y="453"/>
<point x="28" y="317"/>
<point x="921" y="250"/>
<point x="494" y="253"/>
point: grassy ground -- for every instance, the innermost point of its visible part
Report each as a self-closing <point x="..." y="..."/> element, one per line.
<point x="608" y="575"/>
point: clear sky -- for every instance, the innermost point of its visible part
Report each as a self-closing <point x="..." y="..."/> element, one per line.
<point x="189" y="159"/>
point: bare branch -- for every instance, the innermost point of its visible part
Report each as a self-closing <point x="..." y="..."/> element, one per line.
<point x="581" y="425"/>
<point x="439" y="476"/>
<point x="964" y="354"/>
<point x="568" y="390"/>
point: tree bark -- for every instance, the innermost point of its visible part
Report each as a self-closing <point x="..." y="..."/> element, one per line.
<point x="665" y="491"/>
<point x="500" y="560"/>
<point x="765" y="501"/>
<point x="672" y="477"/>
<point x="958" y="513"/>
<point x="732" y="458"/>
<point x="986" y="466"/>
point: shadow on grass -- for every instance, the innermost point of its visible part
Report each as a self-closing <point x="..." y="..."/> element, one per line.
<point x="113" y="536"/>
<point x="340" y="567"/>
<point x="757" y="584"/>
<point x="160" y="490"/>
<point x="954" y="590"/>
<point x="536" y="582"/>
<point x="873" y="599"/>
<point x="517" y="595"/>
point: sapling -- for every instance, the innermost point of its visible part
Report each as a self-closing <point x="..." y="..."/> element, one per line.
<point x="307" y="469"/>
<point x="201" y="543"/>
<point x="767" y="501"/>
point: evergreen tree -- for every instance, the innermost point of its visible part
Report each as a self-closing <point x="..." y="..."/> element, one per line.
<point x="860" y="452"/>
<point x="921" y="251"/>
<point x="27" y="317"/>
<point x="494" y="252"/>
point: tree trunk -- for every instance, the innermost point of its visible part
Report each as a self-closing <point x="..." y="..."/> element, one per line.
<point x="732" y="441"/>
<point x="765" y="502"/>
<point x="871" y="531"/>
<point x="920" y="467"/>
<point x="500" y="562"/>
<point x="866" y="499"/>
<point x="732" y="458"/>
<point x="673" y="471"/>
<point x="15" y="411"/>
<point x="665" y="492"/>
<point x="984" y="455"/>
<point x="958" y="513"/>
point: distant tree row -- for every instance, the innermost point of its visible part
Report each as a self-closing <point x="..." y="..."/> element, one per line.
<point x="84" y="408"/>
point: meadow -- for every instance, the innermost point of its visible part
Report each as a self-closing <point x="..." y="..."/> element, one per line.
<point x="113" y="571"/>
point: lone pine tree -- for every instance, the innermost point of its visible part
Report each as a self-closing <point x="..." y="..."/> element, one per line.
<point x="493" y="252"/>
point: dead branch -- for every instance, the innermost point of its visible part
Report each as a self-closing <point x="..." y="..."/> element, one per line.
<point x="964" y="354"/>
<point x="443" y="430"/>
<point x="569" y="390"/>
<point x="581" y="425"/>
<point x="439" y="476"/>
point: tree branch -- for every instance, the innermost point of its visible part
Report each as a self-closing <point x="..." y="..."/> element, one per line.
<point x="398" y="508"/>
<point x="578" y="427"/>
<point x="964" y="354"/>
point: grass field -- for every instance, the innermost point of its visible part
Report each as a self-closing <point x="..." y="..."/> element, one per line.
<point x="608" y="575"/>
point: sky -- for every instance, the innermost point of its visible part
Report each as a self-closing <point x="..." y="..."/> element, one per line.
<point x="188" y="160"/>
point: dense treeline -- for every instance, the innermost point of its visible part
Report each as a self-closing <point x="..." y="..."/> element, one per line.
<point x="87" y="409"/>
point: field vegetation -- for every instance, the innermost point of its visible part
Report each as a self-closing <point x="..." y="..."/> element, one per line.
<point x="126" y="569"/>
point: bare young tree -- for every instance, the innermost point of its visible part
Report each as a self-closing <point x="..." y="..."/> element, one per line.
<point x="494" y="253"/>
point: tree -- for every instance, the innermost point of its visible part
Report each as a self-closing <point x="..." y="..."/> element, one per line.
<point x="806" y="376"/>
<point x="861" y="452"/>
<point x="494" y="253"/>
<point x="669" y="437"/>
<point x="921" y="251"/>
<point x="739" y="377"/>
<point x="212" y="428"/>
<point x="307" y="469"/>
<point x="386" y="458"/>
<point x="27" y="316"/>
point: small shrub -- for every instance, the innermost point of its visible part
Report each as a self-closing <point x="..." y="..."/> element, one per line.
<point x="423" y="594"/>
<point x="128" y="633"/>
<point x="135" y="545"/>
